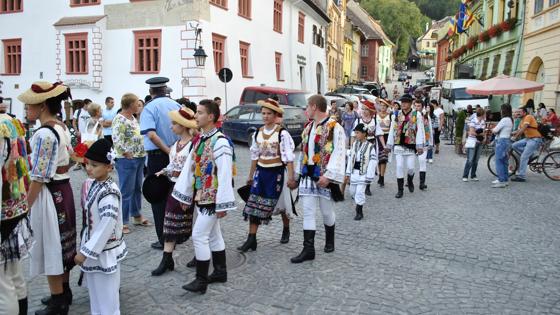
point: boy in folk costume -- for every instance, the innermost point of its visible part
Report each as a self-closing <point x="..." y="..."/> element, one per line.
<point x="321" y="168"/>
<point x="428" y="143"/>
<point x="406" y="139"/>
<point x="360" y="169"/>
<point x="206" y="181"/>
<point x="177" y="224"/>
<point x="271" y="175"/>
<point x="102" y="246"/>
<point x="15" y="236"/>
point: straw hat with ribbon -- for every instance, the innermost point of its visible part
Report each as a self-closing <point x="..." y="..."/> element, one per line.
<point x="272" y="105"/>
<point x="41" y="91"/>
<point x="368" y="105"/>
<point x="184" y="117"/>
<point x="382" y="101"/>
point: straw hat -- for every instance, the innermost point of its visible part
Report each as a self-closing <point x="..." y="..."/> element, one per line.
<point x="184" y="117"/>
<point x="382" y="101"/>
<point x="272" y="105"/>
<point x="368" y="105"/>
<point x="41" y="91"/>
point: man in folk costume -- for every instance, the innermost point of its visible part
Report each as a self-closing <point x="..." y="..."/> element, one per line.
<point x="374" y="131"/>
<point x="428" y="143"/>
<point x="321" y="168"/>
<point x="271" y="175"/>
<point x="15" y="236"/>
<point x="361" y="166"/>
<point x="406" y="139"/>
<point x="207" y="181"/>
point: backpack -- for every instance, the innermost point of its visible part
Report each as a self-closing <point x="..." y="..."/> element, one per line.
<point x="544" y="130"/>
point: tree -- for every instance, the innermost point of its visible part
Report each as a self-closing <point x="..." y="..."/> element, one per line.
<point x="400" y="19"/>
<point x="438" y="9"/>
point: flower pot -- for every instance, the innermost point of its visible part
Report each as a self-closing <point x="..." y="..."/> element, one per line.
<point x="505" y="26"/>
<point x="494" y="31"/>
<point x="483" y="37"/>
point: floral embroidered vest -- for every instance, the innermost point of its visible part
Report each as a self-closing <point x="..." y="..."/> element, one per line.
<point x="205" y="172"/>
<point x="323" y="148"/>
<point x="362" y="154"/>
<point x="405" y="129"/>
<point x="427" y="135"/>
<point x="269" y="146"/>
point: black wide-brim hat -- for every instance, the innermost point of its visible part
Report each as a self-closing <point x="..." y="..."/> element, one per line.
<point x="244" y="192"/>
<point x="156" y="188"/>
<point x="406" y="98"/>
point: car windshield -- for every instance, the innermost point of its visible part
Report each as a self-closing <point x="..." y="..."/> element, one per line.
<point x="294" y="114"/>
<point x="297" y="99"/>
<point x="461" y="94"/>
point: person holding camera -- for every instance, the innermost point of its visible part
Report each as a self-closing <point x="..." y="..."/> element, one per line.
<point x="473" y="145"/>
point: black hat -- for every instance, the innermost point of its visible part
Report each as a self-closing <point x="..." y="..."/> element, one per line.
<point x="156" y="188"/>
<point x="156" y="82"/>
<point x="361" y="128"/>
<point x="406" y="98"/>
<point x="244" y="192"/>
<point x="99" y="151"/>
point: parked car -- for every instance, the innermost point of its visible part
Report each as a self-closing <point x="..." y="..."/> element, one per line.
<point x="403" y="77"/>
<point x="253" y="94"/>
<point x="372" y="87"/>
<point x="241" y="121"/>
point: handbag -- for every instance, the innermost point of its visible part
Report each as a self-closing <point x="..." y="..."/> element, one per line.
<point x="555" y="144"/>
<point x="470" y="143"/>
<point x="91" y="134"/>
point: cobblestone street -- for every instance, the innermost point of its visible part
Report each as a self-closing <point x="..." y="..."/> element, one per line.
<point x="458" y="248"/>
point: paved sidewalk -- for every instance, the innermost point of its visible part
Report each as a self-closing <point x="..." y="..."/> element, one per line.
<point x="458" y="248"/>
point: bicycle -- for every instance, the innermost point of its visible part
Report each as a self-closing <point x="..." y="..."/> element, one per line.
<point x="546" y="161"/>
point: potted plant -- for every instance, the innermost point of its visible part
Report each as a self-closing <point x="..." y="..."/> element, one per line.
<point x="472" y="42"/>
<point x="483" y="37"/>
<point x="494" y="31"/>
<point x="448" y="58"/>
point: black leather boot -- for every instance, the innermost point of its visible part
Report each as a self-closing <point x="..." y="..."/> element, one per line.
<point x="409" y="180"/>
<point x="166" y="263"/>
<point x="381" y="181"/>
<point x="368" y="191"/>
<point x="308" y="252"/>
<point x="359" y="213"/>
<point x="423" y="185"/>
<point x="400" y="185"/>
<point x="285" y="235"/>
<point x="58" y="305"/>
<point x="192" y="263"/>
<point x="250" y="243"/>
<point x="200" y="283"/>
<point x="67" y="292"/>
<point x="329" y="239"/>
<point x="220" y="269"/>
<point x="22" y="306"/>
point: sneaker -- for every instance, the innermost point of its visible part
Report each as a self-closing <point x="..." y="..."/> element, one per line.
<point x="465" y="179"/>
<point x="518" y="179"/>
<point x="474" y="179"/>
<point x="495" y="181"/>
<point x="499" y="185"/>
<point x="430" y="161"/>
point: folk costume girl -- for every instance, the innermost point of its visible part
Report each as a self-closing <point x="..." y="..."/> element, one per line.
<point x="321" y="167"/>
<point x="177" y="225"/>
<point x="206" y="181"/>
<point x="15" y="229"/>
<point x="406" y="139"/>
<point x="383" y="118"/>
<point x="53" y="216"/>
<point x="360" y="169"/>
<point x="272" y="156"/>
<point x="102" y="247"/>
<point x="428" y="144"/>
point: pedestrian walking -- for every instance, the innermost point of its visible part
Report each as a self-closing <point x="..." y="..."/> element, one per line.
<point x="177" y="224"/>
<point x="321" y="168"/>
<point x="503" y="144"/>
<point x="207" y="182"/>
<point x="271" y="175"/>
<point x="473" y="144"/>
<point x="349" y="117"/>
<point x="360" y="168"/>
<point x="383" y="117"/>
<point x="102" y="245"/>
<point x="50" y="198"/>
<point x="428" y="143"/>
<point x="406" y="140"/>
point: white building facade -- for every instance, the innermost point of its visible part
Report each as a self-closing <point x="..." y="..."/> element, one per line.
<point x="110" y="47"/>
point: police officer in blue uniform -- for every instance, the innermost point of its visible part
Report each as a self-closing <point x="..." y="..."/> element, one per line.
<point x="158" y="138"/>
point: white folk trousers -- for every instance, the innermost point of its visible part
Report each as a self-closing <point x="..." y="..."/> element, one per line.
<point x="104" y="292"/>
<point x="410" y="161"/>
<point x="310" y="204"/>
<point x="207" y="236"/>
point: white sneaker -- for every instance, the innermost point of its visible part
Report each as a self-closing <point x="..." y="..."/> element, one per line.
<point x="465" y="179"/>
<point x="495" y="181"/>
<point x="499" y="185"/>
<point x="430" y="161"/>
<point x="474" y="179"/>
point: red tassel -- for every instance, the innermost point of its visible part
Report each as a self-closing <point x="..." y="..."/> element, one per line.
<point x="208" y="182"/>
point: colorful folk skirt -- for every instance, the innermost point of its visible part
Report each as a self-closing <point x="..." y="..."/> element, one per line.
<point x="382" y="156"/>
<point x="63" y="199"/>
<point x="268" y="183"/>
<point x="177" y="224"/>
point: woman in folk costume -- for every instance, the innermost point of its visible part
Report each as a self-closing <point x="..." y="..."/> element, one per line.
<point x="177" y="224"/>
<point x="15" y="229"/>
<point x="383" y="118"/>
<point x="102" y="247"/>
<point x="428" y="143"/>
<point x="406" y="139"/>
<point x="53" y="216"/>
<point x="207" y="182"/>
<point x="322" y="169"/>
<point x="272" y="172"/>
<point x="374" y="131"/>
<point x="360" y="169"/>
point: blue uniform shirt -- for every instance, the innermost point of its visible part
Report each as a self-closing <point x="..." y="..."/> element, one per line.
<point x="155" y="118"/>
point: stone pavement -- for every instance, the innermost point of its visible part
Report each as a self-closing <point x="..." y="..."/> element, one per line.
<point x="458" y="248"/>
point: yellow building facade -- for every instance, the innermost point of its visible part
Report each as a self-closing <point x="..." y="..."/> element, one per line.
<point x="335" y="43"/>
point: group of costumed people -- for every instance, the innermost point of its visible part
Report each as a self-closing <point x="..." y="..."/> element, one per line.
<point x="39" y="215"/>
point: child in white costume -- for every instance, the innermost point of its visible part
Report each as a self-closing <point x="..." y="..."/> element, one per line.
<point x="102" y="246"/>
<point x="361" y="166"/>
